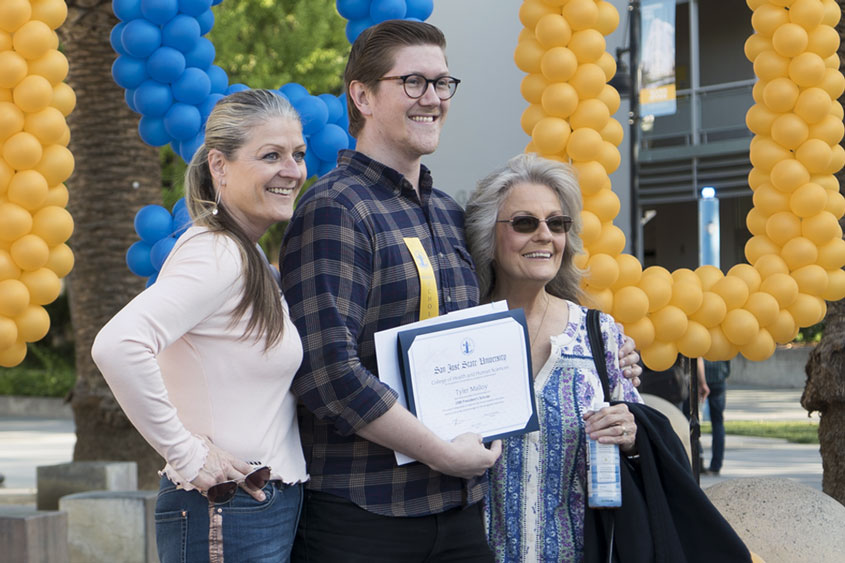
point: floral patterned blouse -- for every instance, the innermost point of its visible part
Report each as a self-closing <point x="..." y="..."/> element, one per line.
<point x="535" y="505"/>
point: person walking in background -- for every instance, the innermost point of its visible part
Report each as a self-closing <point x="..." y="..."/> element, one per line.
<point x="715" y="375"/>
<point x="202" y="360"/>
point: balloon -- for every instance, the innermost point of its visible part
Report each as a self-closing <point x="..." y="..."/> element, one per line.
<point x="152" y="223"/>
<point x="182" y="33"/>
<point x="686" y="296"/>
<point x="153" y="98"/>
<point x="588" y="45"/>
<point x="334" y="105"/>
<point x="590" y="113"/>
<point x="550" y="135"/>
<point x="419" y="9"/>
<point x="603" y="271"/>
<point x="140" y="38"/>
<point x="194" y="7"/>
<point x="670" y="323"/>
<point x="33" y="93"/>
<point x="765" y="153"/>
<point x="629" y="304"/>
<point x="56" y="164"/>
<point x="127" y="10"/>
<point x="15" y="221"/>
<point x="758" y="246"/>
<point x="760" y="118"/>
<point x="558" y="64"/>
<point x="769" y="201"/>
<point x="812" y="105"/>
<point x="63" y="98"/>
<point x="11" y="120"/>
<point x="764" y="307"/>
<point x="767" y="18"/>
<point x="8" y="332"/>
<point x="712" y="310"/>
<point x="328" y="141"/>
<point x="533" y="86"/>
<point x="748" y="274"/>
<point x="608" y="17"/>
<point x="138" y="259"/>
<point x="552" y="30"/>
<point x="13" y="355"/>
<point x="630" y="272"/>
<point x="355" y="27"/>
<point x="165" y="65"/>
<point x="48" y="125"/>
<point x="806" y="13"/>
<point x="13" y="14"/>
<point x="129" y="72"/>
<point x="353" y="9"/>
<point x="160" y="250"/>
<point x="159" y="11"/>
<point x="152" y="131"/>
<point x="733" y="290"/>
<point x="807" y="310"/>
<point x="769" y="65"/>
<point x="13" y="69"/>
<point x="581" y="14"/>
<point x="790" y="40"/>
<point x="53" y="224"/>
<point x="558" y="99"/>
<point x="660" y="356"/>
<point x="202" y="55"/>
<point x="182" y="121"/>
<point x="30" y="252"/>
<point x="589" y="80"/>
<point x="782" y="287"/>
<point x="783" y="226"/>
<point x="14" y="298"/>
<point x="313" y="113"/>
<point x="43" y="285"/>
<point x="601" y="299"/>
<point x="206" y="20"/>
<point x="811" y="279"/>
<point x="695" y="342"/>
<point x="807" y="69"/>
<point x="8" y="268"/>
<point x="829" y="130"/>
<point x="58" y="196"/>
<point x="789" y="130"/>
<point x="762" y="346"/>
<point x="592" y="177"/>
<point x="788" y="175"/>
<point x="219" y="79"/>
<point x="60" y="260"/>
<point x="642" y="331"/>
<point x="799" y="252"/>
<point x="611" y="240"/>
<point x="708" y="275"/>
<point x="28" y="189"/>
<point x="756" y="222"/>
<point x="383" y="10"/>
<point x="51" y="12"/>
<point x="192" y="87"/>
<point x="780" y="95"/>
<point x="740" y="326"/>
<point x="584" y="144"/>
<point x="530" y="116"/>
<point x="33" y="39"/>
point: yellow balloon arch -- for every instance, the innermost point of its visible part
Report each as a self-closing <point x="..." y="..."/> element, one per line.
<point x="34" y="163"/>
<point x="796" y="251"/>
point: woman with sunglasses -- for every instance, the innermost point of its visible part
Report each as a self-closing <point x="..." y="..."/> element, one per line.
<point x="522" y="226"/>
<point x="202" y="361"/>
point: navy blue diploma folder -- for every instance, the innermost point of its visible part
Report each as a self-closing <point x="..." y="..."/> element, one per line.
<point x="471" y="383"/>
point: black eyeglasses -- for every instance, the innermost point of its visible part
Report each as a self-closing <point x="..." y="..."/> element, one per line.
<point x="225" y="491"/>
<point x="526" y="224"/>
<point x="416" y="84"/>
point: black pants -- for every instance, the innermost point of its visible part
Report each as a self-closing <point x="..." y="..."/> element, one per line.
<point x="332" y="529"/>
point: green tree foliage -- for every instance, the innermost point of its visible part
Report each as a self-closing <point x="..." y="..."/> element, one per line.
<point x="269" y="43"/>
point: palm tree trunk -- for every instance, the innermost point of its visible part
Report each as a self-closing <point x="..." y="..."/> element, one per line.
<point x="825" y="388"/>
<point x="116" y="174"/>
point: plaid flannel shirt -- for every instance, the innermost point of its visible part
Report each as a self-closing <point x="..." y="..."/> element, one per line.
<point x="347" y="275"/>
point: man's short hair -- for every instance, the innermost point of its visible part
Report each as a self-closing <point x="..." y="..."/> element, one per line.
<point x="374" y="54"/>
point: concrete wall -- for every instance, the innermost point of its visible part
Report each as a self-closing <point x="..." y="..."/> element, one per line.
<point x="784" y="369"/>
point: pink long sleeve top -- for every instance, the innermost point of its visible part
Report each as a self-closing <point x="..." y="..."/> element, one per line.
<point x="180" y="369"/>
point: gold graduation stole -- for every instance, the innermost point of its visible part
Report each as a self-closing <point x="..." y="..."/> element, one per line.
<point x="428" y="284"/>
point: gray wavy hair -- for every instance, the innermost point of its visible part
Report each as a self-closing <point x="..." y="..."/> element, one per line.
<point x="483" y="210"/>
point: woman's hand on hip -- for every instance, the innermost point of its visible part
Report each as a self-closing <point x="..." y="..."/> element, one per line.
<point x="221" y="466"/>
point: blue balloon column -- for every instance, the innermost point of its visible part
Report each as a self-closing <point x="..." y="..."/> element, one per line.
<point x="158" y="229"/>
<point x="166" y="66"/>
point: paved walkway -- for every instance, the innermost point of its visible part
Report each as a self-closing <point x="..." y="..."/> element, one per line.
<point x="27" y="442"/>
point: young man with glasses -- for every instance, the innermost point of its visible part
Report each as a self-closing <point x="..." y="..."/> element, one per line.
<point x="348" y="273"/>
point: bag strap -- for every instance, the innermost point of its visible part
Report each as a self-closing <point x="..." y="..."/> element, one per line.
<point x="597" y="347"/>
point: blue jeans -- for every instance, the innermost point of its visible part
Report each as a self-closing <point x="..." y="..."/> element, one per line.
<point x="716" y="403"/>
<point x="249" y="530"/>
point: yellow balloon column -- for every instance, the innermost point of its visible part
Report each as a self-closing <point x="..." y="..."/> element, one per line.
<point x="34" y="161"/>
<point x="796" y="251"/>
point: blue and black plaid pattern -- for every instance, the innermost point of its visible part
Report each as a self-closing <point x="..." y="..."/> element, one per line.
<point x="347" y="274"/>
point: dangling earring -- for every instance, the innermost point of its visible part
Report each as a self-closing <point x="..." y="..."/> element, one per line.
<point x="214" y="210"/>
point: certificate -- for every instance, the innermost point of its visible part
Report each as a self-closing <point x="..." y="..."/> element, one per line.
<point x="471" y="375"/>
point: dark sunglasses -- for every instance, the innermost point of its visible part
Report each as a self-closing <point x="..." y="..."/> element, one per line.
<point x="225" y="491"/>
<point x="526" y="224"/>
